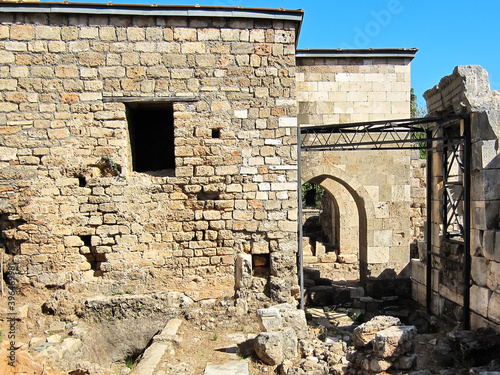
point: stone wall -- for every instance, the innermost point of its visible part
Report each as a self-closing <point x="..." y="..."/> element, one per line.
<point x="467" y="93"/>
<point x="76" y="215"/>
<point x="372" y="188"/>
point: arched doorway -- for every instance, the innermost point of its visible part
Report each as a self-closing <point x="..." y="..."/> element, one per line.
<point x="349" y="203"/>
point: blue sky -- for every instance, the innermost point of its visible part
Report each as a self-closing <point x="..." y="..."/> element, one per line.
<point x="447" y="33"/>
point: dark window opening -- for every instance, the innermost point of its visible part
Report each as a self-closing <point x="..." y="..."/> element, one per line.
<point x="151" y="130"/>
<point x="87" y="240"/>
<point x="95" y="260"/>
<point x="215" y="133"/>
<point x="8" y="240"/>
<point x="260" y="265"/>
<point x="207" y="196"/>
<point x="82" y="181"/>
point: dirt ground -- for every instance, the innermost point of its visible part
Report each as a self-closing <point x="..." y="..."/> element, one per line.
<point x="214" y="341"/>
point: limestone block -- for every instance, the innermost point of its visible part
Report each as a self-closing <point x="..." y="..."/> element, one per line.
<point x="477" y="321"/>
<point x="365" y="333"/>
<point x="289" y="343"/>
<point x="320" y="248"/>
<point x="485" y="214"/>
<point x="494" y="308"/>
<point x="378" y="365"/>
<point x="497" y="246"/>
<point x="378" y="254"/>
<point x="8" y="154"/>
<point x="382" y="238"/>
<point x="418" y="271"/>
<point x="261" y="247"/>
<point x="243" y="270"/>
<point x="479" y="267"/>
<point x="268" y="347"/>
<point x="407" y="362"/>
<point x="485" y="184"/>
<point x="479" y="299"/>
<point x="293" y="318"/>
<point x="329" y="258"/>
<point x="306" y="246"/>
<point x="394" y="341"/>
<point x="493" y="277"/>
<point x="422" y="250"/>
<point x="270" y="319"/>
<point x="347" y="258"/>
<point x="484" y="155"/>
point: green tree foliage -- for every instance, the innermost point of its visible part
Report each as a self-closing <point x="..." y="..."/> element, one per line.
<point x="311" y="195"/>
<point x="416" y="111"/>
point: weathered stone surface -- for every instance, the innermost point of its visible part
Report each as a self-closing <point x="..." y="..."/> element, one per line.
<point x="493" y="276"/>
<point x="269" y="347"/>
<point x="366" y="332"/>
<point x="270" y="319"/>
<point x="294" y="318"/>
<point x="117" y="226"/>
<point x="479" y="299"/>
<point x="394" y="341"/>
<point x="478" y="267"/>
<point x="229" y="368"/>
<point x="289" y="344"/>
<point x="407" y="362"/>
<point x="243" y="270"/>
<point x="494" y="308"/>
<point x="379" y="365"/>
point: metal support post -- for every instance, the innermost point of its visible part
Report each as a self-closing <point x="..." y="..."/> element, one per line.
<point x="467" y="219"/>
<point x="428" y="284"/>
<point x="299" y="218"/>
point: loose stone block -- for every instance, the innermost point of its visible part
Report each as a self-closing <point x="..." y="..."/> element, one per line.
<point x="365" y="333"/>
<point x="269" y="348"/>
<point x="394" y="341"/>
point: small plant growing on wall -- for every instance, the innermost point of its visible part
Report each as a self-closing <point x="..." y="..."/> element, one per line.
<point x="109" y="167"/>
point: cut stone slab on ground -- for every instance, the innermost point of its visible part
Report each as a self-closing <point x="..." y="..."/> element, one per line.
<point x="229" y="368"/>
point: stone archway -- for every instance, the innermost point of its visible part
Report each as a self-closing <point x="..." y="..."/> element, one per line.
<point x="350" y="196"/>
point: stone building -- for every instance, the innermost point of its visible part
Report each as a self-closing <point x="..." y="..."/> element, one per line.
<point x="370" y="189"/>
<point x="144" y="148"/>
<point x="155" y="148"/>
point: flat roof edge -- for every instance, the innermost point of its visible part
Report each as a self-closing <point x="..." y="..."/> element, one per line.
<point x="357" y="53"/>
<point x="153" y="10"/>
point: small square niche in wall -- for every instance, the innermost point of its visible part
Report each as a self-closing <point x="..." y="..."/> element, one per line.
<point x="215" y="133"/>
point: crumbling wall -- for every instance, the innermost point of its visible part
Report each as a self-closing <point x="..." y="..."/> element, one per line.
<point x="358" y="89"/>
<point x="87" y="220"/>
<point x="467" y="92"/>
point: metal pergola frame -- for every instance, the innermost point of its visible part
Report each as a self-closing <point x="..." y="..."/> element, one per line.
<point x="449" y="135"/>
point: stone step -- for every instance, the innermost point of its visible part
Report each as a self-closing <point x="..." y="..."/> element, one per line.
<point x="228" y="368"/>
<point x="161" y="343"/>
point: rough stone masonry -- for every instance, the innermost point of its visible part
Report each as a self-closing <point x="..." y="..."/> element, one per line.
<point x="85" y="206"/>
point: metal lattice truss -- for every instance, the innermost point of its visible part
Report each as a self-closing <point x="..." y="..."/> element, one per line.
<point x="444" y="135"/>
<point x="375" y="135"/>
<point x="453" y="188"/>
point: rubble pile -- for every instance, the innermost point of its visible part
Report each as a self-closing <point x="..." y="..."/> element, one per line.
<point x="382" y="344"/>
<point x="281" y="326"/>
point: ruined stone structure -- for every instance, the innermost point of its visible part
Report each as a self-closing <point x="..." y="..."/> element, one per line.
<point x="467" y="93"/>
<point x="370" y="190"/>
<point x="155" y="148"/>
<point x="144" y="148"/>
